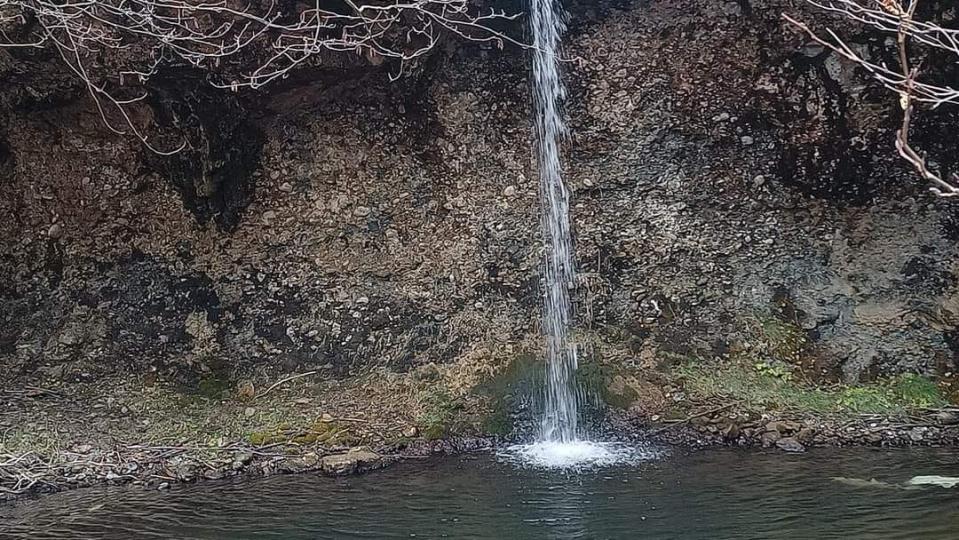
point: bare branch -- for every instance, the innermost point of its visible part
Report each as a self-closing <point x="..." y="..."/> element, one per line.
<point x="89" y="36"/>
<point x="898" y="17"/>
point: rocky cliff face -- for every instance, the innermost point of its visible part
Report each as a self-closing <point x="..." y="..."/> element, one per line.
<point x="735" y="188"/>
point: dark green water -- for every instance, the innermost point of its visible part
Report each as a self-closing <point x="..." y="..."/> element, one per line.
<point x="708" y="495"/>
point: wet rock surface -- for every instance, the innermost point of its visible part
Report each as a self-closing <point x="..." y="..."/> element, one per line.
<point x="795" y="433"/>
<point x="356" y="460"/>
<point x="395" y="224"/>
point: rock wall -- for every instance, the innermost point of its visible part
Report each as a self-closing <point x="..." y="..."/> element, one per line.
<point x="734" y="187"/>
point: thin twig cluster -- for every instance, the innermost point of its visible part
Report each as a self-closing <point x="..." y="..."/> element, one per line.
<point x="22" y="472"/>
<point x="114" y="46"/>
<point x="897" y="17"/>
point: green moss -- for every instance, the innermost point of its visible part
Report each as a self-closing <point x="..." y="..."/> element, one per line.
<point x="610" y="384"/>
<point x="498" y="421"/>
<point x="784" y="340"/>
<point x="214" y="386"/>
<point x="593" y="376"/>
<point x="900" y="393"/>
<point x="276" y="434"/>
<point x="262" y="438"/>
<point x="917" y="391"/>
<point x="328" y="433"/>
<point x="864" y="399"/>
<point x="765" y="389"/>
<point x="502" y="391"/>
<point x="319" y="432"/>
<point x="434" y="431"/>
<point x="522" y="370"/>
<point x="439" y="415"/>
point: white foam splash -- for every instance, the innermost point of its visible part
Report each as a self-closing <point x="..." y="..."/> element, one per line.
<point x="575" y="454"/>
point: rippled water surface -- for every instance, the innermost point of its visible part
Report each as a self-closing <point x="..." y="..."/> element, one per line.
<point x="701" y="496"/>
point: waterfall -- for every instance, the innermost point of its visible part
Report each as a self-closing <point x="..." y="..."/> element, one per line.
<point x="560" y="418"/>
<point x="560" y="442"/>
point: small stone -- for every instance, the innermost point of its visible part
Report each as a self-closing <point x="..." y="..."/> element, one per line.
<point x="730" y="432"/>
<point x="362" y="211"/>
<point x="759" y="181"/>
<point x="55" y="231"/>
<point x="84" y="449"/>
<point x="806" y="435"/>
<point x="789" y="444"/>
<point x="245" y="390"/>
<point x="769" y="438"/>
<point x="250" y="411"/>
<point x="812" y="50"/>
<point x="286" y="187"/>
<point x="509" y="191"/>
<point x="947" y="418"/>
<point x="356" y="460"/>
<point x="411" y="432"/>
<point x="164" y="485"/>
<point x="746" y="140"/>
<point x="269" y="215"/>
<point x="185" y="471"/>
<point x="721" y="117"/>
<point x="240" y="459"/>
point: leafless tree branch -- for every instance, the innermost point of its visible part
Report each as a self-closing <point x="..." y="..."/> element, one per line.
<point x="897" y="17"/>
<point x="213" y="33"/>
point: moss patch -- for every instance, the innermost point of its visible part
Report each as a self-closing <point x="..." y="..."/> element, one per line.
<point x="324" y="432"/>
<point x="439" y="414"/>
<point x="764" y="388"/>
<point x="505" y="389"/>
<point x="775" y="339"/>
<point x="214" y="386"/>
<point x="499" y="421"/>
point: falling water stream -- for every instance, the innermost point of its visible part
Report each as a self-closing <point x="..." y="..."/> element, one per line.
<point x="560" y="421"/>
<point x="560" y="441"/>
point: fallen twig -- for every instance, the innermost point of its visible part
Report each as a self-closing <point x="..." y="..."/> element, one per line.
<point x="689" y="418"/>
<point x="286" y="380"/>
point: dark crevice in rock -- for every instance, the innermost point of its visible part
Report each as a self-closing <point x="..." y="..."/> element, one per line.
<point x="7" y="162"/>
<point x="213" y="173"/>
<point x="836" y="170"/>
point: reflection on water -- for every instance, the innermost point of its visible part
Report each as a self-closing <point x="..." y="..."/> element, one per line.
<point x="708" y="495"/>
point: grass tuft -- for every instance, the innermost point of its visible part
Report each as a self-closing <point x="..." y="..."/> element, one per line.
<point x="762" y="388"/>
